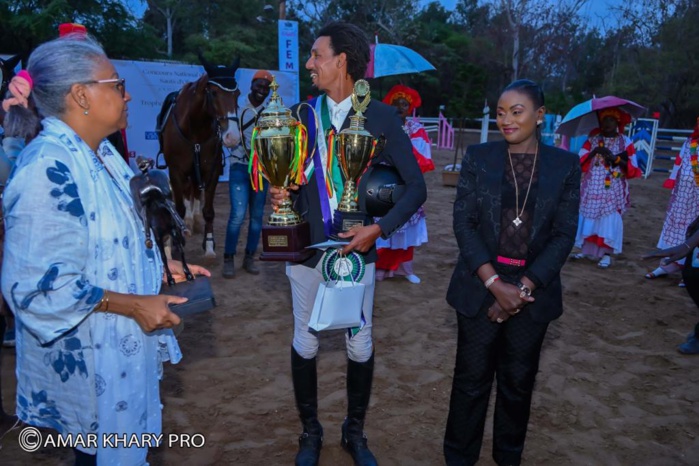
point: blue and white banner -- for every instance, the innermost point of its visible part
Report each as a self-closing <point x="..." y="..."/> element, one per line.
<point x="288" y="46"/>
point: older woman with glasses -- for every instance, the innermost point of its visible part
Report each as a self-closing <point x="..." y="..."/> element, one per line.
<point x="92" y="330"/>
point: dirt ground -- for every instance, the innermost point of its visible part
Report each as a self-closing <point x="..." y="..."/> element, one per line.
<point x="612" y="390"/>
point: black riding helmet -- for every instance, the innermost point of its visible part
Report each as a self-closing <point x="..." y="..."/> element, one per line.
<point x="379" y="189"/>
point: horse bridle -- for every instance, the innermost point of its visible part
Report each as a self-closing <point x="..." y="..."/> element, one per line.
<point x="217" y="132"/>
<point x="209" y="104"/>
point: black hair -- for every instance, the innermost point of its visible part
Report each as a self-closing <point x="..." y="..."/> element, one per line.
<point x="529" y="88"/>
<point x="535" y="94"/>
<point x="349" y="39"/>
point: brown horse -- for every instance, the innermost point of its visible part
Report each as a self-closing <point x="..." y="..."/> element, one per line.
<point x="195" y="126"/>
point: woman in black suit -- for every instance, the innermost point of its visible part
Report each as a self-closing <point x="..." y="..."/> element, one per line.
<point x="515" y="220"/>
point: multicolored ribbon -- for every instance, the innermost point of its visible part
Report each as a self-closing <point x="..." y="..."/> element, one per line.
<point x="332" y="149"/>
<point x="255" y="168"/>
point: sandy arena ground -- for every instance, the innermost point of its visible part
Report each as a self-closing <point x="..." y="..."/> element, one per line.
<point x="612" y="390"/>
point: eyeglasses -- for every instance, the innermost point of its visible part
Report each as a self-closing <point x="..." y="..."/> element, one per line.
<point x="119" y="84"/>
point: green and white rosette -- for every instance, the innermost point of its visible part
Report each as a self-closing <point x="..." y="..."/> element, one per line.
<point x="337" y="266"/>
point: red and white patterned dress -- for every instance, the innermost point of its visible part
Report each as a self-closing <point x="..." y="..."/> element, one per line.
<point x="398" y="249"/>
<point x="684" y="201"/>
<point x="604" y="192"/>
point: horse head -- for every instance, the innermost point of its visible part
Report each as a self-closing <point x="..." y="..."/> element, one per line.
<point x="222" y="98"/>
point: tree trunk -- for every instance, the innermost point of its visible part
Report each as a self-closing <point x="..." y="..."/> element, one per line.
<point x="168" y="17"/>
<point x="515" y="54"/>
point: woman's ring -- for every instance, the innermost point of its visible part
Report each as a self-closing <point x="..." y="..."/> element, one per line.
<point x="500" y="320"/>
<point x="517" y="310"/>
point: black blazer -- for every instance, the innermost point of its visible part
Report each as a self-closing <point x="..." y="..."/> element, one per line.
<point x="477" y="212"/>
<point x="381" y="120"/>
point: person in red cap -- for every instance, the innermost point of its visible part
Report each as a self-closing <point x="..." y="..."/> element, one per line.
<point x="396" y="252"/>
<point x="242" y="194"/>
<point x="608" y="159"/>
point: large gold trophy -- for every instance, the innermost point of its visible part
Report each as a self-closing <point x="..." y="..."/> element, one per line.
<point x="278" y="153"/>
<point x="356" y="147"/>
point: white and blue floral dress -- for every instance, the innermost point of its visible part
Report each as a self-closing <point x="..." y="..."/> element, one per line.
<point x="72" y="232"/>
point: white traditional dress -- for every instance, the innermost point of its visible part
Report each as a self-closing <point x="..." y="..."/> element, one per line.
<point x="72" y="232"/>
<point x="604" y="193"/>
<point x="684" y="200"/>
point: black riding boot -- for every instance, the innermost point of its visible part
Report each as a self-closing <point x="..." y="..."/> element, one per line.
<point x="359" y="377"/>
<point x="303" y="373"/>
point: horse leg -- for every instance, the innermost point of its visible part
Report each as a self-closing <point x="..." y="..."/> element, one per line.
<point x="168" y="274"/>
<point x="188" y="215"/>
<point x="199" y="223"/>
<point x="208" y="211"/>
<point x="168" y="247"/>
<point x="180" y="189"/>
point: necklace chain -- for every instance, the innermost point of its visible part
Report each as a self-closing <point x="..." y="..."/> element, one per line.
<point x="517" y="221"/>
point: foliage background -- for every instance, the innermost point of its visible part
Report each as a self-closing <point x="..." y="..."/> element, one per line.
<point x="647" y="51"/>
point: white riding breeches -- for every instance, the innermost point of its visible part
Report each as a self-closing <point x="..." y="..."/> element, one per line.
<point x="304" y="287"/>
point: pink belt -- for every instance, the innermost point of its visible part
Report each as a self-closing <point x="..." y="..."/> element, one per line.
<point x="515" y="262"/>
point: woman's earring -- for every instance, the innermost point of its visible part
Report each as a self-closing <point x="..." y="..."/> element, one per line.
<point x="538" y="123"/>
<point x="85" y="112"/>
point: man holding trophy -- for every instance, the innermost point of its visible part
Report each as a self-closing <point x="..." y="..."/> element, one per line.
<point x="343" y="132"/>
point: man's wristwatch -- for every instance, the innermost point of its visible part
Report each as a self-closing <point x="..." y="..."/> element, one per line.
<point x="524" y="290"/>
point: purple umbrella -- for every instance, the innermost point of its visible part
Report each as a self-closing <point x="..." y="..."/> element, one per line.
<point x="582" y="118"/>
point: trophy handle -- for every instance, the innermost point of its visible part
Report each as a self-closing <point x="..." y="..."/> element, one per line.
<point x="317" y="121"/>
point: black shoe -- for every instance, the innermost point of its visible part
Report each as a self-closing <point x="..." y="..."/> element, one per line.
<point x="355" y="443"/>
<point x="249" y="265"/>
<point x="229" y="266"/>
<point x="309" y="448"/>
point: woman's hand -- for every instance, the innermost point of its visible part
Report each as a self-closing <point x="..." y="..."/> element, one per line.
<point x="509" y="297"/>
<point x="278" y="195"/>
<point x="668" y="255"/>
<point x="153" y="312"/>
<point x="177" y="270"/>
<point x="496" y="314"/>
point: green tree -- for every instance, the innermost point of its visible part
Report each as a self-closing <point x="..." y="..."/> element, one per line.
<point x="26" y="24"/>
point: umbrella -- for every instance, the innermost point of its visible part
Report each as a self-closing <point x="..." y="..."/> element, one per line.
<point x="582" y="118"/>
<point x="389" y="59"/>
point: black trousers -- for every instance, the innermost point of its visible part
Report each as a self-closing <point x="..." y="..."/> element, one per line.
<point x="509" y="351"/>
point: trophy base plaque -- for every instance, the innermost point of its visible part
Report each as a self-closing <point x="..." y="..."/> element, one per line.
<point x="199" y="293"/>
<point x="344" y="221"/>
<point x="286" y="243"/>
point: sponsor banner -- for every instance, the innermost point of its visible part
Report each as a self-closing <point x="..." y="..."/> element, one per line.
<point x="288" y="36"/>
<point x="149" y="83"/>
